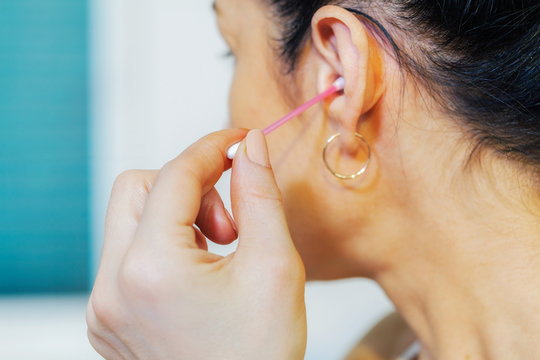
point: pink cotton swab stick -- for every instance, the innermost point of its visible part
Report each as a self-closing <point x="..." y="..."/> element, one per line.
<point x="337" y="86"/>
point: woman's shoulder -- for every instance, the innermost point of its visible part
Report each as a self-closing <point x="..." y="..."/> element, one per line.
<point x="387" y="340"/>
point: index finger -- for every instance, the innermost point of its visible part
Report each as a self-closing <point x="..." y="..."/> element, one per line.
<point x="175" y="199"/>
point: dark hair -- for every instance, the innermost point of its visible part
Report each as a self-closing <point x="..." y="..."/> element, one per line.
<point x="479" y="58"/>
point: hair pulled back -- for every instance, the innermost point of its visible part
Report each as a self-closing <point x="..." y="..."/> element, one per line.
<point x="478" y="58"/>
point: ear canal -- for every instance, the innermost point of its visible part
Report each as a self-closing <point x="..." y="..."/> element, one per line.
<point x="339" y="84"/>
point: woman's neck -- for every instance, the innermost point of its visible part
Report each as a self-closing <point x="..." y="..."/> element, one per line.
<point x="472" y="290"/>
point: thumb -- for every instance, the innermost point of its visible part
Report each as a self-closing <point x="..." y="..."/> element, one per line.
<point x="256" y="200"/>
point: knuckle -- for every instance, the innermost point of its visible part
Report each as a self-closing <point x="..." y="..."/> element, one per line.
<point x="101" y="312"/>
<point x="207" y="149"/>
<point x="261" y="185"/>
<point x="169" y="166"/>
<point x="142" y="280"/>
<point x="279" y="267"/>
<point x="277" y="278"/>
<point x="180" y="167"/>
<point x="212" y="145"/>
<point x="271" y="201"/>
<point x="127" y="178"/>
<point x="286" y="270"/>
<point x="131" y="181"/>
<point x="213" y="142"/>
<point x="264" y="192"/>
<point x="91" y="319"/>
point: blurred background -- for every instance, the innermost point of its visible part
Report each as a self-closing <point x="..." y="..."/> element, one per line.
<point x="89" y="88"/>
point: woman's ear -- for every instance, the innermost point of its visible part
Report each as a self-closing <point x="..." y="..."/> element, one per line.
<point x="346" y="48"/>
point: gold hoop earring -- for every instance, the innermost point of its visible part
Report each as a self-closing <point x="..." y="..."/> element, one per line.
<point x="356" y="174"/>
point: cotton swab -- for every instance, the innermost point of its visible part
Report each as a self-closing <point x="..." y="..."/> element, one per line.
<point x="337" y="86"/>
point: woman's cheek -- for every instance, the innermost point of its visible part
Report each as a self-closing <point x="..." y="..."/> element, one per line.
<point x="252" y="104"/>
<point x="240" y="106"/>
<point x="234" y="106"/>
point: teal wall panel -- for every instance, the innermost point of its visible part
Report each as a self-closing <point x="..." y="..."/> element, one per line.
<point x="43" y="146"/>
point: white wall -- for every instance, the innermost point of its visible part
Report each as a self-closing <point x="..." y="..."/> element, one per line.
<point x="155" y="64"/>
<point x="44" y="328"/>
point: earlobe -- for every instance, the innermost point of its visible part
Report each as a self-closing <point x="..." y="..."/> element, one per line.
<point x="346" y="48"/>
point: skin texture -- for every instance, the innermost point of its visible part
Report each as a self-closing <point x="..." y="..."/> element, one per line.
<point x="160" y="294"/>
<point x="447" y="242"/>
<point x="455" y="248"/>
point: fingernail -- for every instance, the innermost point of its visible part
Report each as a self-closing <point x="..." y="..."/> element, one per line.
<point x="256" y="148"/>
<point x="233" y="224"/>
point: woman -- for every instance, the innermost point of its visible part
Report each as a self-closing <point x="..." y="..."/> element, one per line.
<point x="441" y="108"/>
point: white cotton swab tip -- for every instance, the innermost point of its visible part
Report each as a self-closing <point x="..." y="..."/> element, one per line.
<point x="339" y="84"/>
<point x="232" y="151"/>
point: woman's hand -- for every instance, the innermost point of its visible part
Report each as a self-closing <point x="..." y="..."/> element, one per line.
<point x="160" y="294"/>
